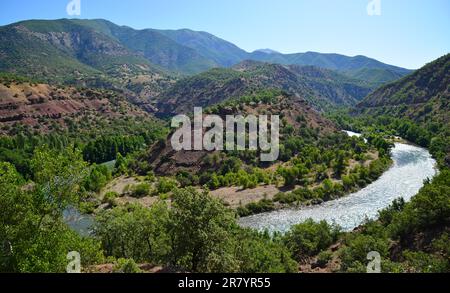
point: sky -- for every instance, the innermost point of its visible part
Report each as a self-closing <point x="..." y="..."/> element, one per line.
<point x="406" y="33"/>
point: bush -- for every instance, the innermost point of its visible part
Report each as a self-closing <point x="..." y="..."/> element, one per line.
<point x="126" y="266"/>
<point x="110" y="198"/>
<point x="309" y="238"/>
<point x="253" y="208"/>
<point x="98" y="178"/>
<point x="386" y="215"/>
<point x="324" y="258"/>
<point x="420" y="262"/>
<point x="259" y="253"/>
<point x="134" y="232"/>
<point x="357" y="248"/>
<point x="141" y="190"/>
<point x="166" y="185"/>
<point x="429" y="208"/>
<point x="87" y="207"/>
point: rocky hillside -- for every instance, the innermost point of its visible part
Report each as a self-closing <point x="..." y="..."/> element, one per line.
<point x="74" y="53"/>
<point x="43" y="108"/>
<point x="294" y="110"/>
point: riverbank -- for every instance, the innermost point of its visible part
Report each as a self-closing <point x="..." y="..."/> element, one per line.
<point x="305" y="196"/>
<point x="411" y="166"/>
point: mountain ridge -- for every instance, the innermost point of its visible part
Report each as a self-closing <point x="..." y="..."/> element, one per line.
<point x="322" y="88"/>
<point x="190" y="52"/>
<point x="420" y="96"/>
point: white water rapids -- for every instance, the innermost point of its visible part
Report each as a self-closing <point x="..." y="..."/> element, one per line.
<point x="412" y="165"/>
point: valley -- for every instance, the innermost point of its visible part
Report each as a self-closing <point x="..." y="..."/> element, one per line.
<point x="87" y="161"/>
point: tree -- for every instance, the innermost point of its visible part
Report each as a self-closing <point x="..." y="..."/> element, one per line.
<point x="98" y="178"/>
<point x="340" y="164"/>
<point x="259" y="253"/>
<point x="358" y="246"/>
<point x="121" y="166"/>
<point x="135" y="232"/>
<point x="32" y="230"/>
<point x="200" y="229"/>
<point x="57" y="176"/>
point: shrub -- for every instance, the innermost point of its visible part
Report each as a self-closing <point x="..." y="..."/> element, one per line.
<point x="141" y="190"/>
<point x="98" y="178"/>
<point x="166" y="185"/>
<point x="421" y="262"/>
<point x="323" y="258"/>
<point x="357" y="248"/>
<point x="110" y="198"/>
<point x="126" y="266"/>
<point x="309" y="238"/>
<point x="262" y="206"/>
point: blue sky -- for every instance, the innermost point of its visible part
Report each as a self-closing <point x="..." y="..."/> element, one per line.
<point x="408" y="33"/>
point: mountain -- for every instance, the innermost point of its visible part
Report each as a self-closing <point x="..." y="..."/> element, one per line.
<point x="223" y="53"/>
<point x="156" y="47"/>
<point x="77" y="53"/>
<point x="94" y="46"/>
<point x="422" y="96"/>
<point x="266" y="51"/>
<point x="68" y="50"/>
<point x="355" y="67"/>
<point x="322" y="88"/>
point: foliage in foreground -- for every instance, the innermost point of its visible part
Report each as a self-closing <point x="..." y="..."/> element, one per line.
<point x="197" y="234"/>
<point x="33" y="236"/>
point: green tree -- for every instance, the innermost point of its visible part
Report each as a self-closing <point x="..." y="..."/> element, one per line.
<point x="135" y="232"/>
<point x="201" y="228"/>
<point x="32" y="230"/>
<point x="98" y="178"/>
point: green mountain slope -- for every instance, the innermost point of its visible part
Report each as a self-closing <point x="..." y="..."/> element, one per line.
<point x="183" y="51"/>
<point x="64" y="50"/>
<point x="355" y="67"/>
<point x="320" y="87"/>
<point x="155" y="46"/>
<point x="100" y="44"/>
<point x="422" y="96"/>
<point x="77" y="52"/>
<point x="220" y="51"/>
<point x="29" y="54"/>
<point x="376" y="76"/>
<point x="416" y="107"/>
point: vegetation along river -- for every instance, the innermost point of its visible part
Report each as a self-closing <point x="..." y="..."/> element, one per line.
<point x="412" y="165"/>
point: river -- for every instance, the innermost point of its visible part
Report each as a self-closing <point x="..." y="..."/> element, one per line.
<point x="82" y="224"/>
<point x="411" y="166"/>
